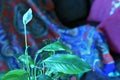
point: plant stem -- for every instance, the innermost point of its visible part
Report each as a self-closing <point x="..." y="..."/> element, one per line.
<point x="25" y="33"/>
<point x="26" y="51"/>
<point x="32" y="72"/>
<point x="35" y="72"/>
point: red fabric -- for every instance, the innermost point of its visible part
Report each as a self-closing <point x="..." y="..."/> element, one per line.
<point x="3" y="67"/>
<point x="107" y="58"/>
<point x="48" y="4"/>
<point x="100" y="10"/>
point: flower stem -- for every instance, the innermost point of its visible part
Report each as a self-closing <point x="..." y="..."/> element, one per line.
<point x="26" y="51"/>
<point x="25" y="33"/>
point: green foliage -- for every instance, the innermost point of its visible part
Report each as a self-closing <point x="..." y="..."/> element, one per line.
<point x="14" y="74"/>
<point x="44" y="56"/>
<point x="23" y="59"/>
<point x="56" y="46"/>
<point x="50" y="66"/>
<point x="67" y="63"/>
<point x="1" y="75"/>
<point x="24" y="76"/>
<point x="44" y="77"/>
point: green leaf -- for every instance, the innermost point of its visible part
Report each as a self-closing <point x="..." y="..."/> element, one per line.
<point x="67" y="63"/>
<point x="1" y="75"/>
<point x="27" y="17"/>
<point x="17" y="55"/>
<point x="13" y="75"/>
<point x="24" y="76"/>
<point x="25" y="59"/>
<point x="56" y="46"/>
<point x="44" y="56"/>
<point x="44" y="77"/>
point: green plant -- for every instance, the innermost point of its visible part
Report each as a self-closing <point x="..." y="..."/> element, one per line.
<point x="50" y="66"/>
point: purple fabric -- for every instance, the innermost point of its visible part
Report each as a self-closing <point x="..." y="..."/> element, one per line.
<point x="111" y="27"/>
<point x="101" y="9"/>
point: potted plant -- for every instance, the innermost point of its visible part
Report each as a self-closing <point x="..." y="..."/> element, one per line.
<point x="50" y="66"/>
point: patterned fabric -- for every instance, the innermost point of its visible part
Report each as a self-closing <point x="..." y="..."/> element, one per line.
<point x="85" y="41"/>
<point x="11" y="31"/>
